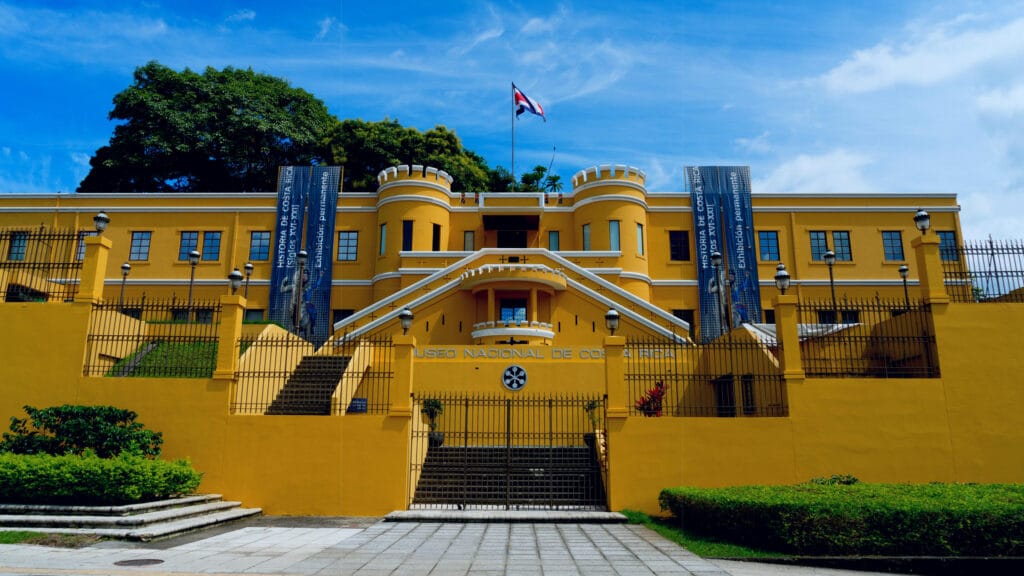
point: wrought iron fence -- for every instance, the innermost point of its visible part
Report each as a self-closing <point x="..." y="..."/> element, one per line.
<point x="153" y="338"/>
<point x="986" y="271"/>
<point x="497" y="451"/>
<point x="280" y="373"/>
<point x="871" y="339"/>
<point x="40" y="265"/>
<point x="733" y="376"/>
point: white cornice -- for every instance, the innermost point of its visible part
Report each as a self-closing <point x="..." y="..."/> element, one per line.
<point x="611" y="198"/>
<point x="414" y="198"/>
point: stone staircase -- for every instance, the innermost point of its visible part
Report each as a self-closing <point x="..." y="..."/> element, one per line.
<point x="145" y="521"/>
<point x="309" y="389"/>
<point x="560" y="477"/>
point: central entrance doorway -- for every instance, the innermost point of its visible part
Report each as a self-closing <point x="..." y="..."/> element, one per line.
<point x="498" y="452"/>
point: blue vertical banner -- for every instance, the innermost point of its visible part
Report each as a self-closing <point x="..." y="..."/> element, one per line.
<point x="723" y="222"/>
<point x="323" y="206"/>
<point x="292" y="186"/>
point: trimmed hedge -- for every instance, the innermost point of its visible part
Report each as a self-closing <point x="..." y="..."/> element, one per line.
<point x="90" y="480"/>
<point x="834" y="519"/>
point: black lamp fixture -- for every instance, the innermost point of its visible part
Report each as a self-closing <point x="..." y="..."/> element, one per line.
<point x="923" y="221"/>
<point x="405" y="318"/>
<point x="193" y="259"/>
<point x="611" y="320"/>
<point x="248" y="274"/>
<point x="126" y="268"/>
<point x="830" y="259"/>
<point x="100" y="221"/>
<point x="904" y="272"/>
<point x="235" y="280"/>
<point x="781" y="278"/>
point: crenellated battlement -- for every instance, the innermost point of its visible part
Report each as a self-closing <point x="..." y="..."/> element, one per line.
<point x="414" y="172"/>
<point x="609" y="172"/>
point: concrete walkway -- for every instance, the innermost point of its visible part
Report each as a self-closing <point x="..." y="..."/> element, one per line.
<point x="385" y="548"/>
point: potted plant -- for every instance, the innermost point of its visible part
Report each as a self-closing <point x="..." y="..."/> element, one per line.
<point x="649" y="403"/>
<point x="432" y="408"/>
<point x="591" y="408"/>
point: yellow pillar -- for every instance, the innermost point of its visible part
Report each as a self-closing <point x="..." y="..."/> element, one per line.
<point x="232" y="309"/>
<point x="615" y="376"/>
<point x="533" y="305"/>
<point x="787" y="336"/>
<point x="490" y="304"/>
<point x="929" y="270"/>
<point x="94" y="268"/>
<point x="401" y="383"/>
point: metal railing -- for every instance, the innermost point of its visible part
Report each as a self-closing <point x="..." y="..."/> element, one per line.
<point x="496" y="451"/>
<point x="153" y="339"/>
<point x="39" y="265"/>
<point x="726" y="378"/>
<point x="872" y="339"/>
<point x="985" y="271"/>
<point x="280" y="373"/>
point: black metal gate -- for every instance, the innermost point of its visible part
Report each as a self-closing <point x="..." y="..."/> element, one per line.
<point x="501" y="452"/>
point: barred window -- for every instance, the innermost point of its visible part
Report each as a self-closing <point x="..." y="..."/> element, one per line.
<point x="140" y="246"/>
<point x="18" y="247"/>
<point x="768" y="244"/>
<point x="189" y="242"/>
<point x="348" y="245"/>
<point x="892" y="245"/>
<point x="211" y="245"/>
<point x="259" y="245"/>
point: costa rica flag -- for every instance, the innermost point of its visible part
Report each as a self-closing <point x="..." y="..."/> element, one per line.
<point x="524" y="103"/>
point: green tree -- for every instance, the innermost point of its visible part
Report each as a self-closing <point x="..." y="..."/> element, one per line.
<point x="222" y="130"/>
<point x="531" y="181"/>
<point x="365" y="148"/>
<point x="553" y="183"/>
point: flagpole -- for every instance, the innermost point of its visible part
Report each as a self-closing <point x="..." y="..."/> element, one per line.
<point x="513" y="137"/>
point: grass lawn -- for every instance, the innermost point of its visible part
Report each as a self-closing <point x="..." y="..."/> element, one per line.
<point x="44" y="539"/>
<point x="699" y="545"/>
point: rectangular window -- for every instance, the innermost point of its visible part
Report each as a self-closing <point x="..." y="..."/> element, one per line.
<point x="80" y="252"/>
<point x="435" y="238"/>
<point x="383" y="239"/>
<point x="513" y="310"/>
<point x="892" y="245"/>
<point x="211" y="246"/>
<point x="586" y="236"/>
<point x="819" y="245"/>
<point x="768" y="244"/>
<point x="348" y="245"/>
<point x="259" y="246"/>
<point x="254" y="315"/>
<point x="845" y="316"/>
<point x="841" y="241"/>
<point x="342" y="313"/>
<point x="406" y="235"/>
<point x="639" y="239"/>
<point x="686" y="315"/>
<point x="553" y="240"/>
<point x="139" y="249"/>
<point x="769" y="316"/>
<point x="18" y="248"/>
<point x="613" y="235"/>
<point x="679" y="245"/>
<point x="189" y="242"/>
<point x="948" y="250"/>
<point x="467" y="241"/>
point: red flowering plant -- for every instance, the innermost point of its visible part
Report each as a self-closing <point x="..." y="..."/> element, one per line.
<point x="649" y="403"/>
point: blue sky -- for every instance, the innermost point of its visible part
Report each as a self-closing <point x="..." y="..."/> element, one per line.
<point x="868" y="96"/>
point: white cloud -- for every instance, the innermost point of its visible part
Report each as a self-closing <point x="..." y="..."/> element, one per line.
<point x="325" y="27"/>
<point x="242" y="15"/>
<point x="835" y="171"/>
<point x="938" y="55"/>
<point x="758" y="144"/>
<point x="1002" y="103"/>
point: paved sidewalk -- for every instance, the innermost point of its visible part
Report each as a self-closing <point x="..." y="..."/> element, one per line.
<point x="386" y="548"/>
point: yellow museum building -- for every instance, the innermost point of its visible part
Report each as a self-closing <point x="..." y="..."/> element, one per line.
<point x="600" y="325"/>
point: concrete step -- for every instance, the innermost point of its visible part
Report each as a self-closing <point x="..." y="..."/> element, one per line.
<point x="102" y="521"/>
<point x="118" y="510"/>
<point x="152" y="531"/>
<point x="507" y="516"/>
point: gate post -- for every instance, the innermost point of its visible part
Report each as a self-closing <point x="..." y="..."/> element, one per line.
<point x="401" y="384"/>
<point x="788" y="337"/>
<point x="94" y="268"/>
<point x="615" y="376"/>
<point x="929" y="271"/>
<point x="232" y="308"/>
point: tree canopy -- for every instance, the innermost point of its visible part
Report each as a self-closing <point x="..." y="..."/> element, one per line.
<point x="222" y="130"/>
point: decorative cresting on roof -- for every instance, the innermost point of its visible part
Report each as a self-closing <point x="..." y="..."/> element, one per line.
<point x="609" y="172"/>
<point x="539" y="273"/>
<point x="414" y="172"/>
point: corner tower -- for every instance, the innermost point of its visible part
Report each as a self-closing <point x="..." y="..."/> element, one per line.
<point x="610" y="211"/>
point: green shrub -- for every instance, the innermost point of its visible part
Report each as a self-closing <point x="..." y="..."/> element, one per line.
<point x="835" y="518"/>
<point x="89" y="479"/>
<point x="105" y="430"/>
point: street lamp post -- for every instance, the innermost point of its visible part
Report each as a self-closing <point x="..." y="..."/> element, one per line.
<point x="830" y="259"/>
<point x="904" y="271"/>
<point x="248" y="274"/>
<point x="405" y="319"/>
<point x="923" y="221"/>
<point x="719" y="268"/>
<point x="781" y="278"/>
<point x="193" y="259"/>
<point x="302" y="257"/>
<point x="125" y="269"/>
<point x="235" y="280"/>
<point x="611" y="320"/>
<point x="100" y="221"/>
